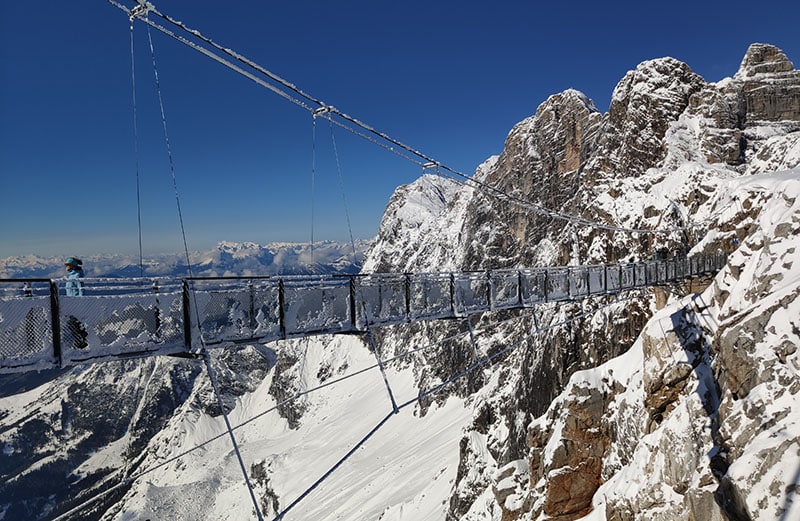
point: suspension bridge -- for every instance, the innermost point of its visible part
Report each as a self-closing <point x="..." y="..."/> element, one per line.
<point x="41" y="327"/>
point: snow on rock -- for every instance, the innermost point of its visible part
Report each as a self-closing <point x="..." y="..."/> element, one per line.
<point x="698" y="420"/>
<point x="426" y="214"/>
<point x="642" y="106"/>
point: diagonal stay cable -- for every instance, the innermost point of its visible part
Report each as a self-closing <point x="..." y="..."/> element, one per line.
<point x="344" y="193"/>
<point x="338" y="464"/>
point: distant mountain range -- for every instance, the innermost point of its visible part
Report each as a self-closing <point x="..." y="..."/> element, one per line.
<point x="227" y="259"/>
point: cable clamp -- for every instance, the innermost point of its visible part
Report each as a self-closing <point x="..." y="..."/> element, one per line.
<point x="323" y="109"/>
<point x="141" y="9"/>
<point x="432" y="165"/>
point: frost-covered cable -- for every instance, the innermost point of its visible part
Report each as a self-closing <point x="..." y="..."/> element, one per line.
<point x="313" y="181"/>
<point x="334" y="467"/>
<point x="169" y="152"/>
<point x="472" y="340"/>
<point x="313" y="104"/>
<point x="344" y="194"/>
<point x="136" y="152"/>
<point x="377" y="354"/>
<point x="215" y="385"/>
<point x="206" y="356"/>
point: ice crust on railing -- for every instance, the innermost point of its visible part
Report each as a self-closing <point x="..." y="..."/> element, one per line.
<point x="135" y="317"/>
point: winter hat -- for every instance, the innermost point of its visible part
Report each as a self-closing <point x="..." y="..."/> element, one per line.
<point x="73" y="261"/>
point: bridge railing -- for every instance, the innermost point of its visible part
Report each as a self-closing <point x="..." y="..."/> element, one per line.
<point x="41" y="327"/>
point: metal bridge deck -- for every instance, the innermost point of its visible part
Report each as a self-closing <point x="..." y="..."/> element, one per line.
<point x="42" y="328"/>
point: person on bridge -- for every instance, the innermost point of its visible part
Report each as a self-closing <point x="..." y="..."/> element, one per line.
<point x="75" y="332"/>
<point x="74" y="267"/>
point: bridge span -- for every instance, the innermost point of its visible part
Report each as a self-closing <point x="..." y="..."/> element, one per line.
<point x="116" y="318"/>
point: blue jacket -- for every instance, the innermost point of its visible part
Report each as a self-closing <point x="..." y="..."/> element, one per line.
<point x="74" y="286"/>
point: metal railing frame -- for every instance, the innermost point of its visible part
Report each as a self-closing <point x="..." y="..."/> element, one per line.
<point x="533" y="287"/>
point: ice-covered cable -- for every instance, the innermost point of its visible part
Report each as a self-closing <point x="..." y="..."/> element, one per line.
<point x="344" y="194"/>
<point x="136" y="152"/>
<point x="229" y="428"/>
<point x="206" y="357"/>
<point x="313" y="105"/>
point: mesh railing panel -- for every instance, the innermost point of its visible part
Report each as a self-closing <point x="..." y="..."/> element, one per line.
<point x="120" y="317"/>
<point x="225" y="309"/>
<point x="317" y="305"/>
<point x="471" y="293"/>
<point x="557" y="284"/>
<point x="534" y="286"/>
<point x="429" y="296"/>
<point x="505" y="289"/>
<point x="380" y="299"/>
<point x="640" y="274"/>
<point x="578" y="281"/>
<point x="613" y="278"/>
<point x="26" y="327"/>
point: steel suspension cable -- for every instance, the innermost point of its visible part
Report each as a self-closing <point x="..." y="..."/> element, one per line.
<point x="204" y="352"/>
<point x="169" y="154"/>
<point x="229" y="428"/>
<point x="344" y="194"/>
<point x="313" y="181"/>
<point x="136" y="151"/>
<point x="313" y="104"/>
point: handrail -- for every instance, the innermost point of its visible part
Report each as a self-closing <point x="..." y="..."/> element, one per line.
<point x="42" y="328"/>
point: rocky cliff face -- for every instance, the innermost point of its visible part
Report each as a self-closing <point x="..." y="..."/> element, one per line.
<point x="697" y="420"/>
<point x="659" y="159"/>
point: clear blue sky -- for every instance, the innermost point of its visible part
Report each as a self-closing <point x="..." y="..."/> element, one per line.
<point x="447" y="78"/>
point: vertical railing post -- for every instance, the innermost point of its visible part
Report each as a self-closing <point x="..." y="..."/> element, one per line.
<point x="407" y="282"/>
<point x="157" y="311"/>
<point x="379" y="314"/>
<point x="588" y="282"/>
<point x="281" y="307"/>
<point x="353" y="321"/>
<point x="251" y="291"/>
<point x="546" y="281"/>
<point x="187" y="316"/>
<point x="453" y="294"/>
<point x="55" y="320"/>
<point x="489" y="290"/>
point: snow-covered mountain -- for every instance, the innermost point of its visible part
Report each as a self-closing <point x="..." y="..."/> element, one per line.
<point x="227" y="259"/>
<point x="673" y="403"/>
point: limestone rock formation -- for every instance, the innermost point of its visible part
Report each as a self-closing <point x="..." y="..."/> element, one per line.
<point x="697" y="420"/>
<point x="659" y="159"/>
